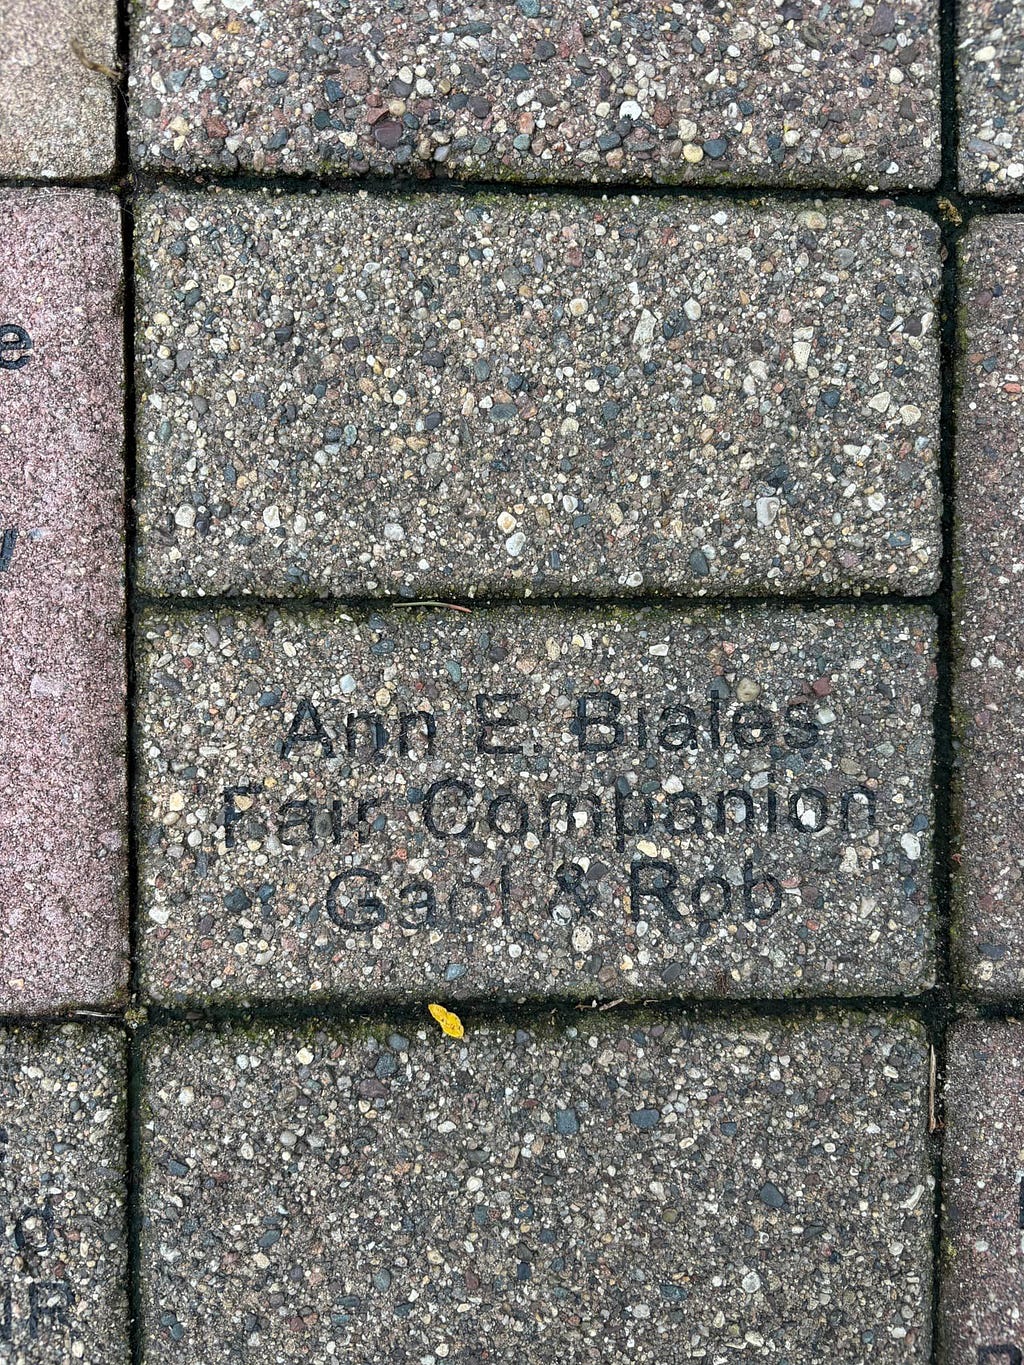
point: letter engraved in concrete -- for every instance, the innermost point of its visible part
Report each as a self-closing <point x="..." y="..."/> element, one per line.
<point x="15" y="345"/>
<point x="62" y="1196"/>
<point x="8" y="540"/>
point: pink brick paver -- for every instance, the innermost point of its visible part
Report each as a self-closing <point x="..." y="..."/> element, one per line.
<point x="62" y="679"/>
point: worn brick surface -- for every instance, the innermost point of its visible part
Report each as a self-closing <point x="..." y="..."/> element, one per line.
<point x="62" y="1197"/>
<point x="983" y="1322"/>
<point x="620" y="1191"/>
<point x="768" y="772"/>
<point x="63" y="936"/>
<point x="543" y="90"/>
<point x="438" y="394"/>
<point x="57" y="109"/>
<point x="989" y="938"/>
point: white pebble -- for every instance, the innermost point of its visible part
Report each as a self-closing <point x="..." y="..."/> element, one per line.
<point x="911" y="846"/>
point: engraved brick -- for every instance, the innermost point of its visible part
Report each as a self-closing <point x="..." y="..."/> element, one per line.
<point x="62" y="819"/>
<point x="623" y="1190"/>
<point x="989" y="937"/>
<point x="535" y="802"/>
<point x="543" y="90"/>
<point x="990" y="78"/>
<point x="62" y="1197"/>
<point x="983" y="1284"/>
<point x="442" y="394"/>
<point x="57" y="108"/>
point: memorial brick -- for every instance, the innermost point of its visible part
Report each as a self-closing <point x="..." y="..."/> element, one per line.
<point x="990" y="79"/>
<point x="59" y="88"/>
<point x="438" y="394"/>
<point x="63" y="935"/>
<point x="543" y="90"/>
<point x="62" y="1197"/>
<point x="535" y="802"/>
<point x="989" y="639"/>
<point x="983" y="1248"/>
<point x="624" y="1190"/>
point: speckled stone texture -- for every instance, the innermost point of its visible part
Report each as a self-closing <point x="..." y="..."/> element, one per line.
<point x="63" y="938"/>
<point x="62" y="1197"/>
<point x="619" y="1191"/>
<point x="57" y="110"/>
<point x="753" y="804"/>
<point x="545" y="90"/>
<point x="440" y="395"/>
<point x="983" y="1246"/>
<point x="990" y="83"/>
<point x="989" y="639"/>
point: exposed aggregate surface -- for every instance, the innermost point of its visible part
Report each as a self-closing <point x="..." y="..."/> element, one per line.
<point x="639" y="1192"/>
<point x="771" y="770"/>
<point x="63" y="1295"/>
<point x="989" y="937"/>
<point x="57" y="109"/>
<point x="450" y="395"/>
<point x="392" y="394"/>
<point x="543" y="90"/>
<point x="983" y="1257"/>
<point x="990" y="88"/>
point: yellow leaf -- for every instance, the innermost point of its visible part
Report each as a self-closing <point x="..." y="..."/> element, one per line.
<point x="450" y="1023"/>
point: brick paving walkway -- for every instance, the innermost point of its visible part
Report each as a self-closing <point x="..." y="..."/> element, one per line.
<point x="551" y="884"/>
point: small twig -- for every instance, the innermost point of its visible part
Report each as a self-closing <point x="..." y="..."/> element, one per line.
<point x="112" y="73"/>
<point x="447" y="606"/>
<point x="935" y="1124"/>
